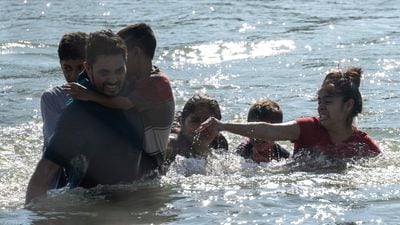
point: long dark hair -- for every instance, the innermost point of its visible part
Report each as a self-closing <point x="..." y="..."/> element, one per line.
<point x="346" y="85"/>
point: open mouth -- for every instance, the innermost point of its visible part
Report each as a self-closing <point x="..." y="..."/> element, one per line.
<point x="323" y="116"/>
<point x="111" y="87"/>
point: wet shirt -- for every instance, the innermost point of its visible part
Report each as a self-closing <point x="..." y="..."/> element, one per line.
<point x="315" y="138"/>
<point x="97" y="146"/>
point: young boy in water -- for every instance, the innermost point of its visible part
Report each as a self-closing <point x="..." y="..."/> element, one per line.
<point x="186" y="141"/>
<point x="264" y="110"/>
<point x="71" y="53"/>
<point x="148" y="90"/>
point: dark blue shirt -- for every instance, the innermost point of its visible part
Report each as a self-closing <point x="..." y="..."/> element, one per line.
<point x="98" y="145"/>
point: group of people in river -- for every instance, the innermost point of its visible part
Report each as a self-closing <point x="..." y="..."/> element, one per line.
<point x="114" y="121"/>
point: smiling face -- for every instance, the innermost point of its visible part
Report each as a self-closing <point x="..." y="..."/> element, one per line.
<point x="71" y="68"/>
<point x="107" y="74"/>
<point x="333" y="111"/>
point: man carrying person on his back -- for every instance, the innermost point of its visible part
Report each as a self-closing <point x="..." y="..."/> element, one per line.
<point x="96" y="144"/>
<point x="149" y="91"/>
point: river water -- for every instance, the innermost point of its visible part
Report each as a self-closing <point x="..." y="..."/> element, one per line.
<point x="236" y="51"/>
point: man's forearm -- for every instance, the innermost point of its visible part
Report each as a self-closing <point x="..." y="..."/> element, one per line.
<point x="40" y="180"/>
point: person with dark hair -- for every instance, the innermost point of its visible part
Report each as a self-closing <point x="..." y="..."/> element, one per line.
<point x="263" y="110"/>
<point x="95" y="144"/>
<point x="186" y="142"/>
<point x="148" y="91"/>
<point x="332" y="133"/>
<point x="71" y="53"/>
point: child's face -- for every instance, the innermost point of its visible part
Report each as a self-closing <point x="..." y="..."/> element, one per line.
<point x="71" y="69"/>
<point x="193" y="121"/>
<point x="262" y="150"/>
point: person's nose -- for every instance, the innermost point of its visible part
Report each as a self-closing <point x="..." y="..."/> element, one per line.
<point x="113" y="78"/>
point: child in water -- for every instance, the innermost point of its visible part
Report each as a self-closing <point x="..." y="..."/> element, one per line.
<point x="185" y="141"/>
<point x="261" y="150"/>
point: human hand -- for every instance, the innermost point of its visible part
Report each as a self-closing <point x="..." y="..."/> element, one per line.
<point x="206" y="133"/>
<point x="77" y="91"/>
<point x="211" y="125"/>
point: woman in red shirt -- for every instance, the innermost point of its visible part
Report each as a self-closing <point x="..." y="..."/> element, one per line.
<point x="332" y="133"/>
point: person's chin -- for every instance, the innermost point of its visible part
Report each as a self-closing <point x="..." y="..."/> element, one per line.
<point x="111" y="91"/>
<point x="324" y="122"/>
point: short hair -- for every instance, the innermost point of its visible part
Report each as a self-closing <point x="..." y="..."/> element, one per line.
<point x="139" y="35"/>
<point x="72" y="46"/>
<point x="265" y="110"/>
<point x="345" y="84"/>
<point x="104" y="42"/>
<point x="201" y="100"/>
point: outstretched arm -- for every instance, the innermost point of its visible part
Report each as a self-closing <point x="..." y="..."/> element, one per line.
<point x="80" y="92"/>
<point x="258" y="130"/>
<point x="41" y="178"/>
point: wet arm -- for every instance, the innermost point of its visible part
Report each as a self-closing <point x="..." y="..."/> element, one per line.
<point x="260" y="130"/>
<point x="265" y="131"/>
<point x="80" y="92"/>
<point x="118" y="102"/>
<point x="40" y="180"/>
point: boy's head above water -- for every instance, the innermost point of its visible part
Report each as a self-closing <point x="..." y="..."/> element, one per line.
<point x="265" y="110"/>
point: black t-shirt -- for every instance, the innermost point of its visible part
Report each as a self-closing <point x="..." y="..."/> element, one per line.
<point x="98" y="145"/>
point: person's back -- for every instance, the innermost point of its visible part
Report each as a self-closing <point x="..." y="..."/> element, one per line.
<point x="105" y="149"/>
<point x="263" y="110"/>
<point x="154" y="100"/>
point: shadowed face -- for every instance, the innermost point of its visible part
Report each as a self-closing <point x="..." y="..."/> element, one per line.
<point x="107" y="74"/>
<point x="71" y="68"/>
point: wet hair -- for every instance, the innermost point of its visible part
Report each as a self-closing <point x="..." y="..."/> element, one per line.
<point x="201" y="100"/>
<point x="346" y="85"/>
<point x="72" y="46"/>
<point x="104" y="42"/>
<point x="139" y="35"/>
<point x="265" y="110"/>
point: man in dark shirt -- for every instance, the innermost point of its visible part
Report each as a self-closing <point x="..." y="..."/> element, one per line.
<point x="95" y="144"/>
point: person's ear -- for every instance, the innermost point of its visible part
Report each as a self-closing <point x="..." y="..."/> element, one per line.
<point x="349" y="105"/>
